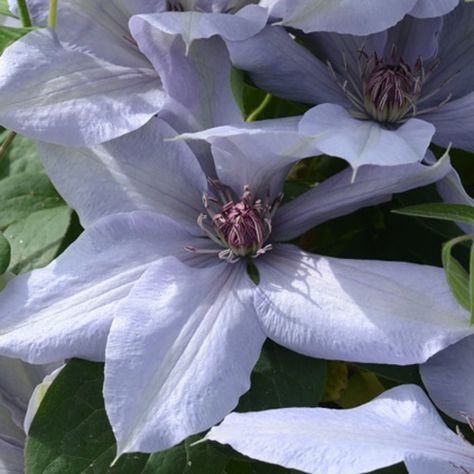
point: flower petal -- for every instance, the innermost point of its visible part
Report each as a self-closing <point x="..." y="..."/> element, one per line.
<point x="194" y="25"/>
<point x="398" y="425"/>
<point x="140" y="171"/>
<point x="454" y="123"/>
<point x="257" y="154"/>
<point x="180" y="353"/>
<point x="338" y="195"/>
<point x="281" y="66"/>
<point x="357" y="310"/>
<point x="456" y="56"/>
<point x="431" y="8"/>
<point x="77" y="99"/>
<point x="65" y="309"/>
<point x="365" y="142"/>
<point x="11" y="459"/>
<point x="449" y="379"/>
<point x="343" y="16"/>
<point x="197" y="81"/>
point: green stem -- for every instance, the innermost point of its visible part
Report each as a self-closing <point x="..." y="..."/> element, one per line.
<point x="6" y="144"/>
<point x="53" y="7"/>
<point x="24" y="13"/>
<point x="253" y="116"/>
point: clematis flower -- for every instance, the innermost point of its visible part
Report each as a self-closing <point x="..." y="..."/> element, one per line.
<point x="363" y="18"/>
<point x="382" y="97"/>
<point x="399" y="425"/>
<point x="111" y="66"/>
<point x="21" y="390"/>
<point x="157" y="285"/>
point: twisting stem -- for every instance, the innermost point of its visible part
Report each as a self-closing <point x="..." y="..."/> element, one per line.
<point x="253" y="116"/>
<point x="53" y="7"/>
<point x="6" y="144"/>
<point x="24" y="13"/>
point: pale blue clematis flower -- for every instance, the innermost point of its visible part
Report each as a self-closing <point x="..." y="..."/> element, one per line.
<point x="356" y="18"/>
<point x="112" y="65"/>
<point x="399" y="425"/>
<point x="22" y="387"/>
<point x="158" y="284"/>
<point x="382" y="98"/>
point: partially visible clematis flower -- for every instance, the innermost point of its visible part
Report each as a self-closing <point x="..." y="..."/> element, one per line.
<point x="158" y="284"/>
<point x="22" y="387"/>
<point x="399" y="425"/>
<point x="383" y="97"/>
<point x="105" y="72"/>
<point x="362" y="18"/>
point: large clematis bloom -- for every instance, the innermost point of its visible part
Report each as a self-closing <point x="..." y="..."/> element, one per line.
<point x="158" y="283"/>
<point x="381" y="98"/>
<point x="399" y="425"/>
<point x="112" y="65"/>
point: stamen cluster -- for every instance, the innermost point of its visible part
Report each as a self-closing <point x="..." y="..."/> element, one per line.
<point x="241" y="226"/>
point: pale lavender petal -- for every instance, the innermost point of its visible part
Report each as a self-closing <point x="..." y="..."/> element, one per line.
<point x="257" y="154"/>
<point x="414" y="38"/>
<point x="197" y="81"/>
<point x="452" y="191"/>
<point x="11" y="458"/>
<point x="66" y="309"/>
<point x="357" y="310"/>
<point x="456" y="56"/>
<point x="194" y="25"/>
<point x="77" y="99"/>
<point x="365" y="142"/>
<point x="279" y="65"/>
<point x="338" y="195"/>
<point x="180" y="353"/>
<point x="399" y="425"/>
<point x="138" y="171"/>
<point x="431" y="8"/>
<point x="340" y="16"/>
<point x="454" y="123"/>
<point x="449" y="379"/>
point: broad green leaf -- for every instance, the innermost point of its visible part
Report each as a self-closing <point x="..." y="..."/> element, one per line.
<point x="401" y="374"/>
<point x="5" y="9"/>
<point x="36" y="240"/>
<point x="21" y="156"/>
<point x="25" y="193"/>
<point x="70" y="434"/>
<point x="362" y="387"/>
<point x="9" y="35"/>
<point x="458" y="278"/>
<point x="5" y="254"/>
<point x="283" y="378"/>
<point x="444" y="211"/>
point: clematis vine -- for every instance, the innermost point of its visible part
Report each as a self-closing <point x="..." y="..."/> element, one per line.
<point x="382" y="98"/>
<point x="399" y="425"/>
<point x="158" y="283"/>
<point x="109" y="67"/>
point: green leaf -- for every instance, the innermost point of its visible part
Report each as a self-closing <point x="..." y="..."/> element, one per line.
<point x="458" y="278"/>
<point x="5" y="9"/>
<point x="36" y="240"/>
<point x="283" y="378"/>
<point x="444" y="211"/>
<point x="25" y="193"/>
<point x="5" y="253"/>
<point x="9" y="35"/>
<point x="21" y="156"/>
<point x="70" y="434"/>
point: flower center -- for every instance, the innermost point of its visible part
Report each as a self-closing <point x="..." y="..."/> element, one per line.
<point x="390" y="91"/>
<point x="241" y="226"/>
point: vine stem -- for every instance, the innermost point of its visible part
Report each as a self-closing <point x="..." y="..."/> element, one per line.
<point x="24" y="13"/>
<point x="53" y="7"/>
